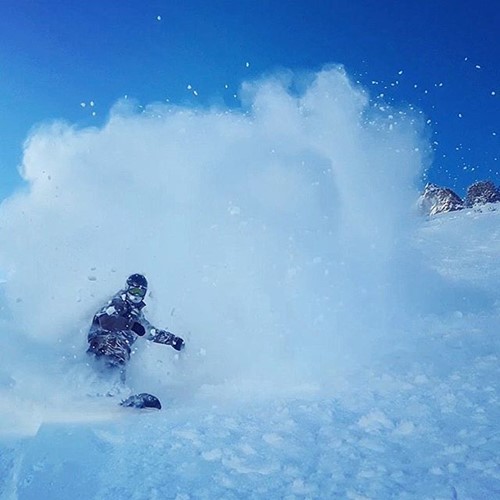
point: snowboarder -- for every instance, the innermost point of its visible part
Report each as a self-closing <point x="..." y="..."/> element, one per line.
<point x="118" y="324"/>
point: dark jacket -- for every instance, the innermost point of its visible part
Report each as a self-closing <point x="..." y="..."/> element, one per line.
<point x="117" y="326"/>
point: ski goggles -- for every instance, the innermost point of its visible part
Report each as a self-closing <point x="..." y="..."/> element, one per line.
<point x="137" y="291"/>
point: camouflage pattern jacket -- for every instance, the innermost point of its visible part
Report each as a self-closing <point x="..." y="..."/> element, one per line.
<point x="117" y="326"/>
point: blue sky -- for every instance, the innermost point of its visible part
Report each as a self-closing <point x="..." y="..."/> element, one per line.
<point x="440" y="56"/>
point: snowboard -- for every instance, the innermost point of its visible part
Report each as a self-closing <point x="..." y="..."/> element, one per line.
<point x="142" y="400"/>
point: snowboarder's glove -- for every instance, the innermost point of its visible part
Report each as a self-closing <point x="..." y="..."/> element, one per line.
<point x="138" y="329"/>
<point x="167" y="338"/>
<point x="177" y="343"/>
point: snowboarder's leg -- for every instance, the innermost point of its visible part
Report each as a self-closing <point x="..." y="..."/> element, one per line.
<point x="115" y="365"/>
<point x="111" y="373"/>
<point x="111" y="352"/>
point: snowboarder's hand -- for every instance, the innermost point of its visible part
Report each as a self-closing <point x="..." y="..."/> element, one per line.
<point x="138" y="329"/>
<point x="177" y="343"/>
<point x="167" y="338"/>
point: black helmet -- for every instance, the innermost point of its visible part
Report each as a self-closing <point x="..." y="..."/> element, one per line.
<point x="137" y="286"/>
<point x="137" y="280"/>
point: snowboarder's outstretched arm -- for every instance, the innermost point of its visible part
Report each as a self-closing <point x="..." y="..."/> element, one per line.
<point x="142" y="327"/>
<point x="167" y="338"/>
<point x="121" y="316"/>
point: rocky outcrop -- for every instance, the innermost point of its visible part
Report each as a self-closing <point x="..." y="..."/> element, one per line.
<point x="435" y="200"/>
<point x="482" y="192"/>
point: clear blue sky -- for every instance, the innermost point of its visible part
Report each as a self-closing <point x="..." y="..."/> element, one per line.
<point x="56" y="54"/>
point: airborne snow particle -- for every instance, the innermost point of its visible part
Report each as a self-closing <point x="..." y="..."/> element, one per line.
<point x="189" y="87"/>
<point x="478" y="66"/>
<point x="247" y="64"/>
<point x="460" y="115"/>
<point x="158" y="18"/>
<point x="92" y="104"/>
<point x="195" y="92"/>
<point x="493" y="92"/>
<point x="233" y="210"/>
<point x="82" y="104"/>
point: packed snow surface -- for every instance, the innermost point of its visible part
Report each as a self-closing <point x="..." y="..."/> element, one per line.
<point x="337" y="345"/>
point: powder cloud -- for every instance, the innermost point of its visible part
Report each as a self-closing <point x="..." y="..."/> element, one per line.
<point x="272" y="235"/>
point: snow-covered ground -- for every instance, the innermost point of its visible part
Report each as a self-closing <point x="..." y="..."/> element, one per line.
<point x="337" y="346"/>
<point x="421" y="422"/>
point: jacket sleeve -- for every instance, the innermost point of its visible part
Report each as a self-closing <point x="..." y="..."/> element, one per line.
<point x="156" y="335"/>
<point x="160" y="336"/>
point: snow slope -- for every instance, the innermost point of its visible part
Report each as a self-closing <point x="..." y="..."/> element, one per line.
<point x="422" y="422"/>
<point x="337" y="345"/>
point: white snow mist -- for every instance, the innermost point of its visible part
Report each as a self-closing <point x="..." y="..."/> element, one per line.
<point x="273" y="237"/>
